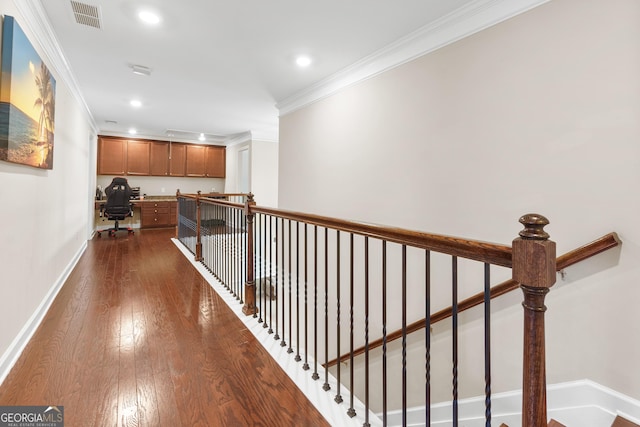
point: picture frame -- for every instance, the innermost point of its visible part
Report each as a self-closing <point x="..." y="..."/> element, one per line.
<point x="27" y="101"/>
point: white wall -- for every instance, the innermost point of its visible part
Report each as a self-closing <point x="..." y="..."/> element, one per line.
<point x="45" y="215"/>
<point x="540" y="113"/>
<point x="263" y="179"/>
<point x="161" y="186"/>
<point x="264" y="172"/>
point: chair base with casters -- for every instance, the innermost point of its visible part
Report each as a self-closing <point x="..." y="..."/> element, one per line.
<point x="113" y="230"/>
<point x="116" y="226"/>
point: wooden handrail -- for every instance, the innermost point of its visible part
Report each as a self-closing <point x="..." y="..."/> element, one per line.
<point x="471" y="249"/>
<point x="570" y="258"/>
<point x="476" y="250"/>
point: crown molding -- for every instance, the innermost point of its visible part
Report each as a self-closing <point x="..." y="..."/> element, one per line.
<point x="238" y="138"/>
<point x="463" y="22"/>
<point x="35" y="19"/>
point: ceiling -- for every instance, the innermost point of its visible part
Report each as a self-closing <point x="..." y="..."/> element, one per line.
<point x="221" y="67"/>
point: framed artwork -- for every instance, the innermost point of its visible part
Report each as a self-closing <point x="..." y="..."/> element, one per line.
<point x="27" y="101"/>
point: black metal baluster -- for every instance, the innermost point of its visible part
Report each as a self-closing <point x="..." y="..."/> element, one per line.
<point x="305" y="366"/>
<point x="315" y="374"/>
<point x="326" y="385"/>
<point x="427" y="309"/>
<point x="290" y="349"/>
<point x="270" y="331"/>
<point x="283" y="343"/>
<point x="297" y="358"/>
<point x="384" y="333"/>
<point x="404" y="335"/>
<point x="275" y="285"/>
<point x="454" y="319"/>
<point x="263" y="279"/>
<point x="487" y="345"/>
<point x="258" y="276"/>
<point x="351" y="411"/>
<point x="227" y="263"/>
<point x="366" y="332"/>
<point x="338" y="397"/>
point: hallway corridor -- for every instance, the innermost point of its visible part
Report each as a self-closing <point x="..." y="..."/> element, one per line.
<point x="136" y="337"/>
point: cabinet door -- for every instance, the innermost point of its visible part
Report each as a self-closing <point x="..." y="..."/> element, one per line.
<point x="216" y="162"/>
<point x="112" y="156"/>
<point x="159" y="159"/>
<point x="177" y="159"/>
<point x="196" y="158"/>
<point x="138" y="157"/>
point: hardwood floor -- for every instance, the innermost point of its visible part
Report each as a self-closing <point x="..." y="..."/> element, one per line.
<point x="136" y="337"/>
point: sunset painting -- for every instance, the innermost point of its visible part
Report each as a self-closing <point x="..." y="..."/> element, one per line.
<point x="27" y="101"/>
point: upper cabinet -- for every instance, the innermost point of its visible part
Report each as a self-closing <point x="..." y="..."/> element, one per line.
<point x="159" y="159"/>
<point x="216" y="162"/>
<point x="119" y="156"/>
<point x="177" y="153"/>
<point x="138" y="156"/>
<point x="196" y="160"/>
<point x="112" y="156"/>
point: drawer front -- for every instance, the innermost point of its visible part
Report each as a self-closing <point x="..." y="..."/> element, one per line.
<point x="154" y="220"/>
<point x="151" y="210"/>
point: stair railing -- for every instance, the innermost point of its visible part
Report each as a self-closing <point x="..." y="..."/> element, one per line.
<point x="604" y="243"/>
<point x="300" y="275"/>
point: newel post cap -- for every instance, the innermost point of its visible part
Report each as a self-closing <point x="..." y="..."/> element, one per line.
<point x="534" y="255"/>
<point x="248" y="203"/>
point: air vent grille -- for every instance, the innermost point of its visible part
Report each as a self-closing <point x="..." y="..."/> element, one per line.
<point x="86" y="14"/>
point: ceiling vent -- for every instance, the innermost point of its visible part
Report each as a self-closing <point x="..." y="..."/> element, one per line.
<point x="86" y="14"/>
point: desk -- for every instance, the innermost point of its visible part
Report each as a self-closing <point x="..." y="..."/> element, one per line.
<point x="152" y="212"/>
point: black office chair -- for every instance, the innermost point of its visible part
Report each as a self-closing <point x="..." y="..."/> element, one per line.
<point x="118" y="205"/>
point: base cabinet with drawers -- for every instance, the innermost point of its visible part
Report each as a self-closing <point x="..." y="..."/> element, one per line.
<point x="158" y="214"/>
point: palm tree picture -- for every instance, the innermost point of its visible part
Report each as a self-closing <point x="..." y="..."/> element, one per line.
<point x="27" y="101"/>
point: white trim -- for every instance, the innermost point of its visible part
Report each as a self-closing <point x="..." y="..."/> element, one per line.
<point x="35" y="19"/>
<point x="335" y="414"/>
<point x="577" y="403"/>
<point x="238" y="138"/>
<point x="13" y="352"/>
<point x="463" y="22"/>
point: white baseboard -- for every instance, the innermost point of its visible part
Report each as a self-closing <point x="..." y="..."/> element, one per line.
<point x="13" y="352"/>
<point x="581" y="403"/>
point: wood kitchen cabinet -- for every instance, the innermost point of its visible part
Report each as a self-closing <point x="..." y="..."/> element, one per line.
<point x="216" y="162"/>
<point x="112" y="156"/>
<point x="142" y="157"/>
<point x="138" y="155"/>
<point x="158" y="214"/>
<point x="196" y="160"/>
<point x="177" y="153"/>
<point x="159" y="158"/>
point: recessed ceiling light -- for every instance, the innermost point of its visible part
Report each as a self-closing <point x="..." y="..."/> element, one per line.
<point x="132" y="131"/>
<point x="303" y="61"/>
<point x="149" y="17"/>
<point x="201" y="137"/>
<point x="136" y="103"/>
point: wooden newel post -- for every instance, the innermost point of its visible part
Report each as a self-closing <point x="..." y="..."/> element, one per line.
<point x="178" y="213"/>
<point x="534" y="267"/>
<point x="198" y="230"/>
<point x="249" y="307"/>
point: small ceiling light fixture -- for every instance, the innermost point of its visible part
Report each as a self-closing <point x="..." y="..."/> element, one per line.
<point x="136" y="103"/>
<point x="141" y="70"/>
<point x="303" y="61"/>
<point x="149" y="17"/>
<point x="201" y="137"/>
<point x="132" y="131"/>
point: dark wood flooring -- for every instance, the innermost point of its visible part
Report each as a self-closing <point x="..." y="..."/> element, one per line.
<point x="136" y="337"/>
